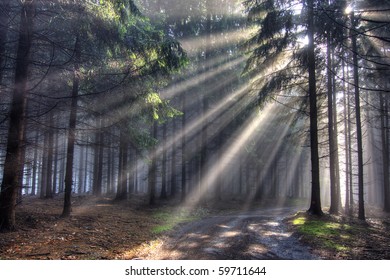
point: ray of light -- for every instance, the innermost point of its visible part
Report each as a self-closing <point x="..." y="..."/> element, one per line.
<point x="193" y="44"/>
<point x="238" y="141"/>
<point x="183" y="86"/>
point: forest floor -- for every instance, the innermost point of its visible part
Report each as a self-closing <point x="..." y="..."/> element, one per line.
<point x="102" y="229"/>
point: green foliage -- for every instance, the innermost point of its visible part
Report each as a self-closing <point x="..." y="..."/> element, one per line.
<point x="161" y="110"/>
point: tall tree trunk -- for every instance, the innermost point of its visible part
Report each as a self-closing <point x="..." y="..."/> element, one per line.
<point x="43" y="179"/>
<point x="55" y="168"/>
<point x="35" y="165"/>
<point x="85" y="181"/>
<point x="315" y="201"/>
<point x="21" y="168"/>
<point x="49" y="163"/>
<point x="81" y="171"/>
<point x="99" y="153"/>
<point x="359" y="135"/>
<point x="109" y="168"/>
<point x="183" y="150"/>
<point x="332" y="148"/>
<point x="173" y="162"/>
<point x="350" y="166"/>
<point x="346" y="142"/>
<point x="132" y="170"/>
<point x="153" y="170"/>
<point x="163" y="194"/>
<point x="385" y="153"/>
<point x="122" y="168"/>
<point x="72" y="132"/>
<point x="335" y="135"/>
<point x="95" y="163"/>
<point x="12" y="163"/>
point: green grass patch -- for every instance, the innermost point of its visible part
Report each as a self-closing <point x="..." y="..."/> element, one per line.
<point x="327" y="233"/>
<point x="168" y="218"/>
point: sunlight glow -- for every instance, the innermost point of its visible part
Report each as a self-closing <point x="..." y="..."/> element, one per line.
<point x="303" y="41"/>
<point x="230" y="151"/>
<point x="349" y="9"/>
<point x="193" y="44"/>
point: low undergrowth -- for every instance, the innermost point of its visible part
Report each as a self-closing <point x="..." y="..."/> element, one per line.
<point x="338" y="237"/>
<point x="169" y="218"/>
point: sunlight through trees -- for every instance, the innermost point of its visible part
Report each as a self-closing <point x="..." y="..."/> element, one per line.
<point x="195" y="102"/>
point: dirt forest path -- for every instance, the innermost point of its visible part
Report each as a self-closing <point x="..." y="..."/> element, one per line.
<point x="101" y="229"/>
<point x="256" y="234"/>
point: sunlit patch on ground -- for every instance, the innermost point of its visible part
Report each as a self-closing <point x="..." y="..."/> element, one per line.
<point x="343" y="238"/>
<point x="230" y="233"/>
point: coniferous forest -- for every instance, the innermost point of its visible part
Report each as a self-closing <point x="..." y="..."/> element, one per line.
<point x="211" y="124"/>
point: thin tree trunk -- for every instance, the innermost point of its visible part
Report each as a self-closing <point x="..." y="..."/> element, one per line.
<point x="153" y="170"/>
<point x="72" y="133"/>
<point x="21" y="169"/>
<point x="332" y="171"/>
<point x="183" y="151"/>
<point x="315" y="201"/>
<point x="43" y="184"/>
<point x="12" y="163"/>
<point x="173" y="162"/>
<point x="335" y="135"/>
<point x="122" y="174"/>
<point x="95" y="162"/>
<point x="81" y="170"/>
<point x="35" y="165"/>
<point x="385" y="154"/>
<point x="109" y="167"/>
<point x="359" y="136"/>
<point x="49" y="163"/>
<point x="55" y="168"/>
<point x="132" y="170"/>
<point x="346" y="125"/>
<point x="85" y="179"/>
<point x="98" y="164"/>
<point x="164" y="165"/>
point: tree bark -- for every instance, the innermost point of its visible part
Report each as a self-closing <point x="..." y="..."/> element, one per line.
<point x="153" y="170"/>
<point x="163" y="194"/>
<point x="334" y="202"/>
<point x="122" y="168"/>
<point x="385" y="154"/>
<point x="12" y="161"/>
<point x="346" y="142"/>
<point x="35" y="165"/>
<point x="72" y="132"/>
<point x="49" y="163"/>
<point x="315" y="201"/>
<point x="173" y="162"/>
<point x="183" y="150"/>
<point x="361" y="212"/>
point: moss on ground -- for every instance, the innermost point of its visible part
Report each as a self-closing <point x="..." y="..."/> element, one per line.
<point x="327" y="232"/>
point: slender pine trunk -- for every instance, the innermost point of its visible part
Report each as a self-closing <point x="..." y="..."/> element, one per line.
<point x="359" y="134"/>
<point x="315" y="201"/>
<point x="72" y="133"/>
<point x="385" y="154"/>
